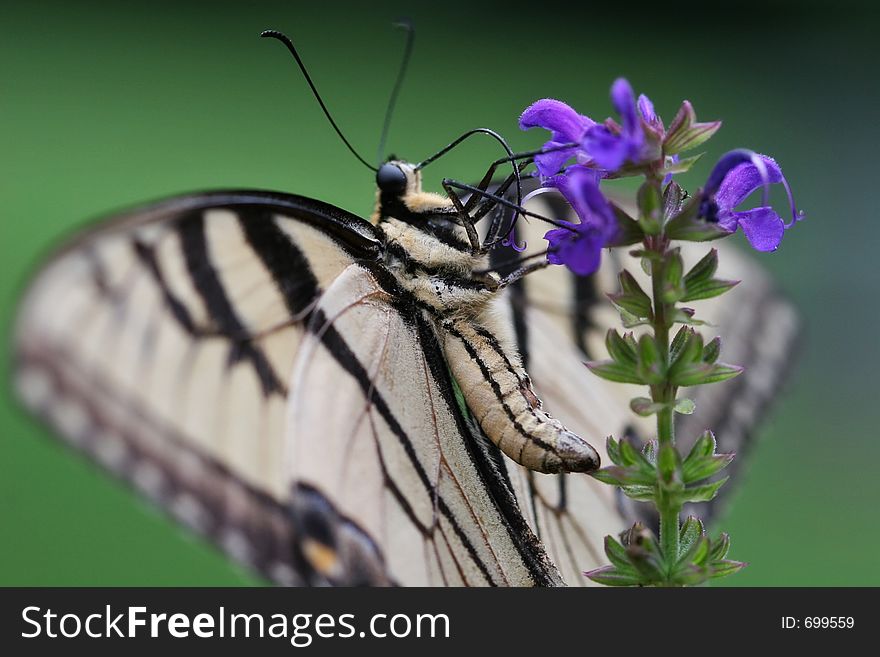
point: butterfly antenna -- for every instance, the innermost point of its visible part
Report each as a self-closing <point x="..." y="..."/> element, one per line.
<point x="283" y="38"/>
<point x="407" y="25"/>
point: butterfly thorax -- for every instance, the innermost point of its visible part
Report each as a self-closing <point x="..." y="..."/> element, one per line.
<point x="427" y="250"/>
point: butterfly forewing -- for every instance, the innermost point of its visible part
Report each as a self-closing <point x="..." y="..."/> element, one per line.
<point x="162" y="345"/>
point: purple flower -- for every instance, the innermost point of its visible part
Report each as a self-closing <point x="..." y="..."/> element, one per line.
<point x="579" y="246"/>
<point x="566" y="126"/>
<point x="736" y="175"/>
<point x="612" y="145"/>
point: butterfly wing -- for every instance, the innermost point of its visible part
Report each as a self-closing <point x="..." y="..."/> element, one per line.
<point x="386" y="470"/>
<point x="244" y="360"/>
<point x="161" y="344"/>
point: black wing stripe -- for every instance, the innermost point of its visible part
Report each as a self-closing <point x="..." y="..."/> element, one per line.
<point x="207" y="283"/>
<point x="286" y="263"/>
<point x="178" y="309"/>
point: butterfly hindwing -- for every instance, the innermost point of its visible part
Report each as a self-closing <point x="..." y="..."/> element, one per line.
<point x="399" y="461"/>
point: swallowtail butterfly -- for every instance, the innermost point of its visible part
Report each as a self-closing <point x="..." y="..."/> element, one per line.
<point x="343" y="401"/>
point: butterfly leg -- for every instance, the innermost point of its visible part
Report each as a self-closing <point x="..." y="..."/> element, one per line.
<point x="480" y="207"/>
<point x="523" y="271"/>
<point x="464" y="217"/>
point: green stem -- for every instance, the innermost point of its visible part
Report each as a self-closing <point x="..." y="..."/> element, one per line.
<point x="668" y="506"/>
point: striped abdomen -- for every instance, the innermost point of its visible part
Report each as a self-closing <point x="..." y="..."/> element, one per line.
<point x="499" y="394"/>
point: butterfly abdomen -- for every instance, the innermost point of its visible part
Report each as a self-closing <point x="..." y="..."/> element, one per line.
<point x="499" y="394"/>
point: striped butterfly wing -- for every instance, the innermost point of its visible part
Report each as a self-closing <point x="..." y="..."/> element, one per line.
<point x="244" y="360"/>
<point x="402" y="482"/>
<point x="561" y="321"/>
<point x="161" y="344"/>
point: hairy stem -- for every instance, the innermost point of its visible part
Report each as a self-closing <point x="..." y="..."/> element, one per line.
<point x="668" y="506"/>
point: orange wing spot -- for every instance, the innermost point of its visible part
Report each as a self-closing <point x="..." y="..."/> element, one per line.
<point x="322" y="557"/>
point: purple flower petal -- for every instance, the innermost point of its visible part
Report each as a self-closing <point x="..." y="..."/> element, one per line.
<point x="646" y="107"/>
<point x="744" y="179"/>
<point x="557" y="117"/>
<point x="580" y="251"/>
<point x="549" y="164"/>
<point x="763" y="228"/>
<point x="579" y="246"/>
<point x="607" y="149"/>
<point x="610" y="150"/>
<point x="580" y="187"/>
<point x="624" y="102"/>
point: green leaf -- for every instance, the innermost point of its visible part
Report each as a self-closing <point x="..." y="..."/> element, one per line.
<point x="617" y="555"/>
<point x="712" y="350"/>
<point x="613" y="476"/>
<point x="632" y="298"/>
<point x="685" y="132"/>
<point x="690" y="352"/>
<point x="682" y="166"/>
<point x="703" y="447"/>
<point x="645" y="407"/>
<point x="608" y="476"/>
<point x="701" y="373"/>
<point x="612" y="371"/>
<point x="650" y="367"/>
<point x="639" y="493"/>
<point x="690" y="575"/>
<point x="628" y="229"/>
<point x="687" y="226"/>
<point x="649" y="451"/>
<point x="704" y="493"/>
<point x="713" y="288"/>
<point x="725" y="567"/>
<point x="631" y="456"/>
<point x="672" y="284"/>
<point x="678" y="342"/>
<point x="704" y="270"/>
<point x="720" y="547"/>
<point x="619" y="349"/>
<point x="610" y="576"/>
<point x="723" y="372"/>
<point x="691" y="530"/>
<point x="650" y="203"/>
<point x="613" y="449"/>
<point x="685" y="316"/>
<point x="644" y="555"/>
<point x="704" y="467"/>
<point x="699" y="552"/>
<point x="673" y="197"/>
<point x="631" y="321"/>
<point x="685" y="406"/>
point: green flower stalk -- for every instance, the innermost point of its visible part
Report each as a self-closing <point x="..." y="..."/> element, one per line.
<point x="663" y="350"/>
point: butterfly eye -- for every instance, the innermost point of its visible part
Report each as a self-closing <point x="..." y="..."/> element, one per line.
<point x="391" y="179"/>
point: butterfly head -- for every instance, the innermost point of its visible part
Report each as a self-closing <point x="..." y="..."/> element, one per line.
<point x="397" y="179"/>
<point x="400" y="195"/>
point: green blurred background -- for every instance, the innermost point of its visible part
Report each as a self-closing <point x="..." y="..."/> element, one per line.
<point x="104" y="106"/>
